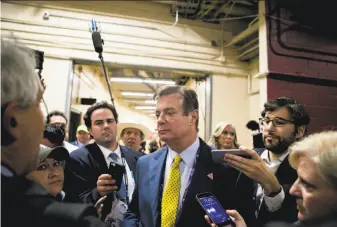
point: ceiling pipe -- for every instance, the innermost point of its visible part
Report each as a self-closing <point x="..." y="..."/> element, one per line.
<point x="253" y="41"/>
<point x="244" y="34"/>
<point x="248" y="51"/>
<point x="177" y="18"/>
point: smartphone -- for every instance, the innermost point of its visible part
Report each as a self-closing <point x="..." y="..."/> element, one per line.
<point x="218" y="155"/>
<point x="214" y="210"/>
<point x="117" y="171"/>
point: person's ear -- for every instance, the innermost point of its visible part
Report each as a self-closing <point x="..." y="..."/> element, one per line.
<point x="194" y="116"/>
<point x="9" y="124"/>
<point x="300" y="132"/>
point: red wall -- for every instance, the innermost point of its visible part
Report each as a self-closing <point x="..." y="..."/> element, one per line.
<point x="302" y="65"/>
<point x="319" y="98"/>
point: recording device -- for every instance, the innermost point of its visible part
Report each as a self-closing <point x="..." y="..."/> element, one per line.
<point x="117" y="171"/>
<point x="96" y="37"/>
<point x="214" y="210"/>
<point x="98" y="45"/>
<point x="218" y="155"/>
<point x="39" y="59"/>
<point x="54" y="133"/>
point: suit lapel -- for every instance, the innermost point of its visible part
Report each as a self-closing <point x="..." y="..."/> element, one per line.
<point x="98" y="156"/>
<point x="130" y="159"/>
<point x="156" y="170"/>
<point x="286" y="175"/>
<point x="201" y="181"/>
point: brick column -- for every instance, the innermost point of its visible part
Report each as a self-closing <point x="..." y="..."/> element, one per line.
<point x="301" y="64"/>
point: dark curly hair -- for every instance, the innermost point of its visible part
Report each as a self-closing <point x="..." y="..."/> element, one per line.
<point x="96" y="106"/>
<point x="55" y="113"/>
<point x="297" y="111"/>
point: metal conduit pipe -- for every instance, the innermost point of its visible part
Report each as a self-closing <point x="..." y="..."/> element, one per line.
<point x="110" y="40"/>
<point x="100" y="14"/>
<point x="209" y="62"/>
<point x="108" y="33"/>
<point x="248" y="51"/>
<point x="88" y="46"/>
<point x="249" y="31"/>
<point x="256" y="39"/>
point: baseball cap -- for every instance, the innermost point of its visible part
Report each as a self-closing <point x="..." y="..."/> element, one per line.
<point x="82" y="128"/>
<point x="57" y="153"/>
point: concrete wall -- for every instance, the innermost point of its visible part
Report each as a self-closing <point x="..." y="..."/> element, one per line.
<point x="231" y="103"/>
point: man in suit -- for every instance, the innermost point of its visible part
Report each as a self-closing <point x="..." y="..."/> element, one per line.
<point x="263" y="187"/>
<point x="82" y="135"/>
<point x="87" y="171"/>
<point x="25" y="203"/>
<point x="169" y="179"/>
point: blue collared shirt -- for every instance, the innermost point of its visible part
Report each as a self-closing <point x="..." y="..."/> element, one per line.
<point x="186" y="165"/>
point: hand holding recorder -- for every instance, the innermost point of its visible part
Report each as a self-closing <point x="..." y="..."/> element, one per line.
<point x="254" y="168"/>
<point x="215" y="212"/>
<point x="108" y="183"/>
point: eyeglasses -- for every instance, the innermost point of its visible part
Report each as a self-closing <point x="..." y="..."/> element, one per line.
<point x="276" y="122"/>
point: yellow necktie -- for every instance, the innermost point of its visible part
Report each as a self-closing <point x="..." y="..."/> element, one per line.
<point x="169" y="205"/>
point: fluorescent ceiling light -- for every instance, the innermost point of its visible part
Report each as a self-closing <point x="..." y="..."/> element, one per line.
<point x="145" y="107"/>
<point x="130" y="93"/>
<point x="150" y="102"/>
<point x="141" y="101"/>
<point x="142" y="80"/>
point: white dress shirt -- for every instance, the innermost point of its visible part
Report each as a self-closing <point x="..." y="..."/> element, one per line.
<point x="69" y="146"/>
<point x="272" y="203"/>
<point x="188" y="157"/>
<point x="130" y="181"/>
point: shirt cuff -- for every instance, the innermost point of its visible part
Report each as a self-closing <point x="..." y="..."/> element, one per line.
<point x="274" y="203"/>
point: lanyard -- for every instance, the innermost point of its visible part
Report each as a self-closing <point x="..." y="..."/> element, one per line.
<point x="188" y="183"/>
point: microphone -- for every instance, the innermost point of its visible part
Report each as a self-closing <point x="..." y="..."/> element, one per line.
<point x="96" y="37"/>
<point x="98" y="45"/>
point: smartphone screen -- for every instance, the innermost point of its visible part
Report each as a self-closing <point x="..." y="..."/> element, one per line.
<point x="214" y="210"/>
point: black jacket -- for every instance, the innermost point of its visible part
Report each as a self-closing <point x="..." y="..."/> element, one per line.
<point x="245" y="194"/>
<point x="83" y="168"/>
<point x="25" y="203"/>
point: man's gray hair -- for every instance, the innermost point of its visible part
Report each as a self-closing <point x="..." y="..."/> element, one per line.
<point x="19" y="81"/>
<point x="190" y="97"/>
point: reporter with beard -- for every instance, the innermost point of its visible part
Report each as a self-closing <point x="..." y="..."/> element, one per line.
<point x="263" y="184"/>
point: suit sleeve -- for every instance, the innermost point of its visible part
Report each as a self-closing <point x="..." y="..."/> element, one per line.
<point x="132" y="216"/>
<point x="288" y="210"/>
<point x="79" y="180"/>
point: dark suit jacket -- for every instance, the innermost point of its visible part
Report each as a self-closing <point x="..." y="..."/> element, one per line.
<point x="145" y="208"/>
<point x="84" y="167"/>
<point x="246" y="192"/>
<point x="75" y="143"/>
<point x="25" y="203"/>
